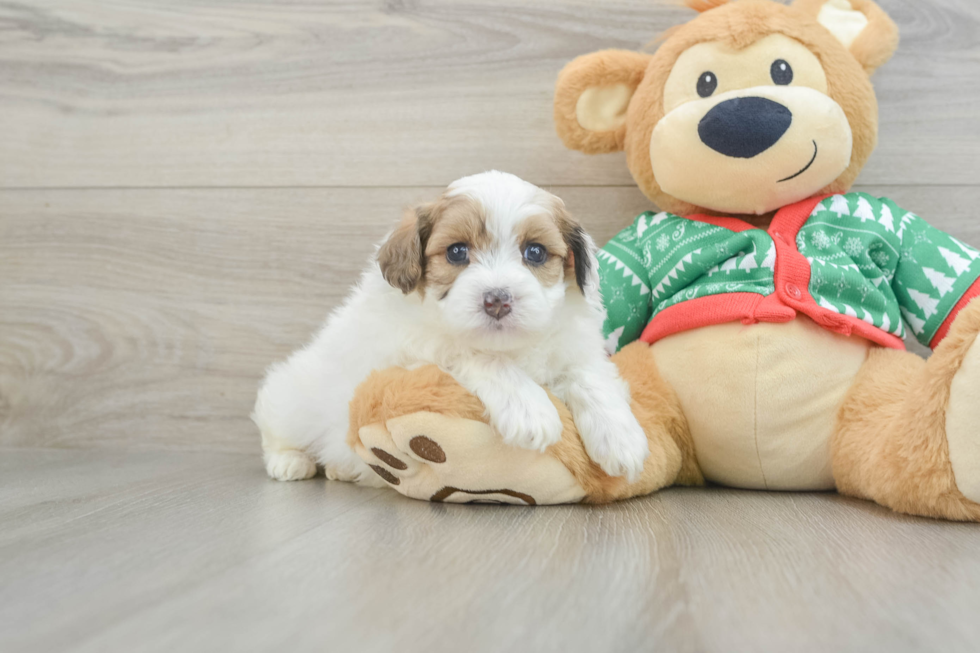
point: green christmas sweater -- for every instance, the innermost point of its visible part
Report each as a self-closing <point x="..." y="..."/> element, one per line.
<point x="855" y="264"/>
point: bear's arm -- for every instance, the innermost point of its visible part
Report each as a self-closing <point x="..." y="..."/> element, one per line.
<point x="935" y="277"/>
<point x="625" y="288"/>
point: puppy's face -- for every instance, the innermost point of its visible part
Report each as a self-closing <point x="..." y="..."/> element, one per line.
<point x="494" y="257"/>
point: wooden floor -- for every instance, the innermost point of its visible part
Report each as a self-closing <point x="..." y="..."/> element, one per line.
<point x="188" y="186"/>
<point x="176" y="551"/>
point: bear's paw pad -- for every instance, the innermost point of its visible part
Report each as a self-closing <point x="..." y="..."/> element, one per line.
<point x="434" y="457"/>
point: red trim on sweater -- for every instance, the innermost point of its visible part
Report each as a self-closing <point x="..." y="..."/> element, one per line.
<point x="858" y="327"/>
<point x="711" y="310"/>
<point x="732" y="224"/>
<point x="790" y="219"/>
<point x="943" y="331"/>
<point x="792" y="279"/>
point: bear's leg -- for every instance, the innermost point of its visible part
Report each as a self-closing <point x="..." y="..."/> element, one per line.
<point x="908" y="432"/>
<point x="428" y="438"/>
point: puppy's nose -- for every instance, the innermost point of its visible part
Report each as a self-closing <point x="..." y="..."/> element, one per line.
<point x="744" y="127"/>
<point x="496" y="303"/>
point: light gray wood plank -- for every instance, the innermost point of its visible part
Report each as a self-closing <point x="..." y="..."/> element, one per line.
<point x="113" y="551"/>
<point x="91" y="538"/>
<point x="154" y="93"/>
<point x="145" y="318"/>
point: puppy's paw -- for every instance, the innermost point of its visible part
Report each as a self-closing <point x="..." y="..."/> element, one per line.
<point x="528" y="420"/>
<point x="615" y="441"/>
<point x="352" y="473"/>
<point x="289" y="465"/>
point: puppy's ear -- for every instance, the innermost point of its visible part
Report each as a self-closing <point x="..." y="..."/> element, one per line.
<point x="581" y="259"/>
<point x="402" y="256"/>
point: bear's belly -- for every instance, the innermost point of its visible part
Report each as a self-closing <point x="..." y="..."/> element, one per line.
<point x="762" y="400"/>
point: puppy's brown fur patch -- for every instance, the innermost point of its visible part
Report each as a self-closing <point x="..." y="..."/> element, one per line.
<point x="457" y="219"/>
<point x="545" y="231"/>
<point x="400" y="257"/>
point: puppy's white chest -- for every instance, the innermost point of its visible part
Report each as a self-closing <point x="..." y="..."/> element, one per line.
<point x="540" y="367"/>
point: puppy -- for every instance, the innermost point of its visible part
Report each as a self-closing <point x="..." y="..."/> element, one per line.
<point x="495" y="284"/>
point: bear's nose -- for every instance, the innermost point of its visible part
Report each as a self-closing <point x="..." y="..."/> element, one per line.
<point x="744" y="127"/>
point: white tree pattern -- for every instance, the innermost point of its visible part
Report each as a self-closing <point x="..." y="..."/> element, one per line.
<point x="865" y="263"/>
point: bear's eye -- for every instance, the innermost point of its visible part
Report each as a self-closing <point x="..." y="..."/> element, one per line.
<point x="707" y="84"/>
<point x="782" y="72"/>
<point x="458" y="253"/>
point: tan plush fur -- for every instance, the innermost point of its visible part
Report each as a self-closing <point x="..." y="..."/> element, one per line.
<point x="890" y="445"/>
<point x="395" y="392"/>
<point x="658" y="401"/>
<point x="876" y="44"/>
<point x="603" y="68"/>
<point x="704" y="5"/>
<point x="655" y="406"/>
<point x="737" y="24"/>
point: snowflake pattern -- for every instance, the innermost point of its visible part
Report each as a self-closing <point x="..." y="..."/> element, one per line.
<point x="880" y="257"/>
<point x="663" y="242"/>
<point x="854" y="247"/>
<point x="821" y="240"/>
<point x="817" y="280"/>
<point x="617" y="295"/>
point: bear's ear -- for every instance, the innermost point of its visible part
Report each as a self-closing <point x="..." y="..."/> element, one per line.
<point x="860" y="25"/>
<point x="591" y="98"/>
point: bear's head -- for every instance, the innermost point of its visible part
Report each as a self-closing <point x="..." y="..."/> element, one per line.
<point x="751" y="106"/>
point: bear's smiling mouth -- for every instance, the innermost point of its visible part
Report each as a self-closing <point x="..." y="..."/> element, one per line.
<point x="815" y="150"/>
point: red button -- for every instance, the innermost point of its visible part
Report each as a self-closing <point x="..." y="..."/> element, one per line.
<point x="793" y="291"/>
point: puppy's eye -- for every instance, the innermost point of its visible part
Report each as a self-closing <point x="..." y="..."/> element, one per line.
<point x="458" y="253"/>
<point x="535" y="254"/>
<point x="707" y="84"/>
<point x="781" y="72"/>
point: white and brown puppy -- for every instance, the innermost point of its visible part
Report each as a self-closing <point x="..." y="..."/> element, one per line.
<point x="495" y="284"/>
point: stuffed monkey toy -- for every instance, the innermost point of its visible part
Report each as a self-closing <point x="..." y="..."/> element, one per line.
<point x="759" y="317"/>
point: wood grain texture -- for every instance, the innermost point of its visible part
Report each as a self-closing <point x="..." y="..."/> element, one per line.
<point x="112" y="551"/>
<point x="145" y="318"/>
<point x="153" y="93"/>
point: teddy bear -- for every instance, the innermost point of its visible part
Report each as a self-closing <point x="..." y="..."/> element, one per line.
<point x="759" y="315"/>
